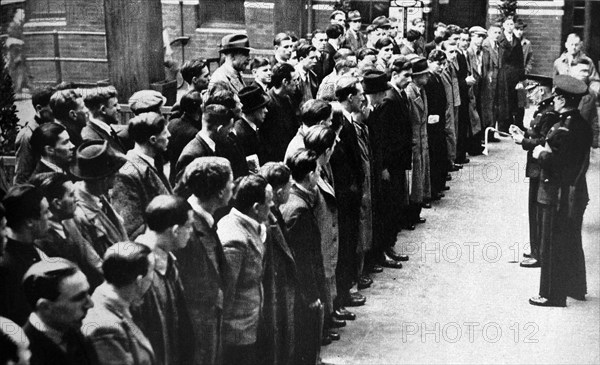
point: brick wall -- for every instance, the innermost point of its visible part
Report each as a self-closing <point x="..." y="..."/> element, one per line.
<point x="544" y="28"/>
<point x="81" y="35"/>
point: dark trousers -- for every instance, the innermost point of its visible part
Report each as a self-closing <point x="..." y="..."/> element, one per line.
<point x="346" y="269"/>
<point x="240" y="354"/>
<point x="534" y="224"/>
<point x="462" y="135"/>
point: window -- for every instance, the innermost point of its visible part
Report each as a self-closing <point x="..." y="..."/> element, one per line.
<point x="44" y="9"/>
<point x="221" y="14"/>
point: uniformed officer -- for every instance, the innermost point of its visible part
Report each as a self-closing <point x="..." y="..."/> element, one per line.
<point x="543" y="119"/>
<point x="563" y="197"/>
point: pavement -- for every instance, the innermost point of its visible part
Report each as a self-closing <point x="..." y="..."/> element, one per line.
<point x="462" y="297"/>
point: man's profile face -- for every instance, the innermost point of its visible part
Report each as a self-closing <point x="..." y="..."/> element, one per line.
<point x="227" y="191"/>
<point x="240" y="61"/>
<point x="284" y="50"/>
<point x="39" y="225"/>
<point x="404" y="78"/>
<point x="162" y="140"/>
<point x="494" y="33"/>
<point x="339" y="19"/>
<point x="63" y="150"/>
<point x="450" y="52"/>
<point x="420" y="27"/>
<point x="201" y="82"/>
<point x="355" y="25"/>
<point x="111" y="111"/>
<point x="71" y="306"/>
<point x="66" y="204"/>
<point x="81" y="113"/>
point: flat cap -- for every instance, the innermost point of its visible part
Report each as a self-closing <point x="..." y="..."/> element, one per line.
<point x="145" y="100"/>
<point x="477" y="30"/>
<point x="569" y="86"/>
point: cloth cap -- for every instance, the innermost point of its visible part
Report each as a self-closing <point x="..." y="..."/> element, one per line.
<point x="146" y="100"/>
<point x="95" y="159"/>
<point x="478" y="30"/>
<point x="354" y="15"/>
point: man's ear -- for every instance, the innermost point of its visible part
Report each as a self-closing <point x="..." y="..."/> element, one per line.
<point x="38" y="108"/>
<point x="48" y="150"/>
<point x="152" y="140"/>
<point x="42" y="305"/>
<point x="55" y="203"/>
<point x="72" y="114"/>
<point x="255" y="207"/>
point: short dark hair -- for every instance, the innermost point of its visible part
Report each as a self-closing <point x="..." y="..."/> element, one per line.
<point x="216" y="115"/>
<point x="249" y="189"/>
<point x="277" y="174"/>
<point x="223" y="97"/>
<point x="304" y="50"/>
<point x="63" y="101"/>
<point x="99" y="96"/>
<point x="259" y="61"/>
<point x="51" y="184"/>
<point x="43" y="279"/>
<point x="192" y="68"/>
<point x="165" y="211"/>
<point x="42" y="96"/>
<point x="334" y="31"/>
<point x="437" y="55"/>
<point x="365" y="51"/>
<point x="45" y="135"/>
<point x="319" y="138"/>
<point x="412" y="35"/>
<point x="20" y="202"/>
<point x="124" y="262"/>
<point x="191" y="102"/>
<point x="383" y="42"/>
<point x="301" y="163"/>
<point x="146" y="125"/>
<point x="280" y="37"/>
<point x="206" y="176"/>
<point x="281" y="71"/>
<point x="313" y="111"/>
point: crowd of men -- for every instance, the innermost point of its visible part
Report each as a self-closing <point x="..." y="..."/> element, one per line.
<point x="283" y="196"/>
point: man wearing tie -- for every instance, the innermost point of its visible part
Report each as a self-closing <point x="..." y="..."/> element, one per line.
<point x="236" y="49"/>
<point x="104" y="109"/>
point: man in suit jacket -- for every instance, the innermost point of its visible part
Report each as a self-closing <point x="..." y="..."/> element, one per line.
<point x="70" y="111"/>
<point x="305" y="243"/>
<point x="209" y="141"/>
<point x="490" y="67"/>
<point x="64" y="239"/>
<point x="128" y="269"/>
<point x="96" y="165"/>
<point x="27" y="217"/>
<point x="280" y="124"/>
<point x="392" y="155"/>
<point x="243" y="234"/>
<point x="277" y="339"/>
<point x="54" y="326"/>
<point x="254" y="108"/>
<point x="202" y="263"/>
<point x="104" y="110"/>
<point x="236" y="49"/>
<point x="142" y="177"/>
<point x="355" y="39"/>
<point x="52" y="143"/>
<point x="348" y="177"/>
<point x="334" y="33"/>
<point x="308" y="83"/>
<point x="452" y="89"/>
<point x="184" y="129"/>
<point x="25" y="158"/>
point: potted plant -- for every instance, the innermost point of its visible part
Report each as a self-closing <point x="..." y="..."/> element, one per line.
<point x="8" y="125"/>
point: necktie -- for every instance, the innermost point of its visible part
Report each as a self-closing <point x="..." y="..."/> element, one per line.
<point x="108" y="211"/>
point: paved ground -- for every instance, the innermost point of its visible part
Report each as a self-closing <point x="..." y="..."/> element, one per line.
<point x="462" y="297"/>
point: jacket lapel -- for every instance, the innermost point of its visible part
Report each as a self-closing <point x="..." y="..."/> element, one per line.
<point x="201" y="230"/>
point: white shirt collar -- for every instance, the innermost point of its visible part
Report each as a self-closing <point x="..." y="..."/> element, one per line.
<point x="58" y="228"/>
<point x="204" y="135"/>
<point x="198" y="209"/>
<point x="51" y="165"/>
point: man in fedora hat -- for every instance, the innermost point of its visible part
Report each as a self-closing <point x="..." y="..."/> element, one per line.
<point x="254" y="109"/>
<point x="142" y="177"/>
<point x="355" y="39"/>
<point x="96" y="164"/>
<point x="420" y="186"/>
<point x="236" y="50"/>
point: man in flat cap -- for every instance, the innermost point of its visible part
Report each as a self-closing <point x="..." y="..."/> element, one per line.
<point x="145" y="101"/>
<point x="355" y="39"/>
<point x="563" y="197"/>
<point x="236" y="50"/>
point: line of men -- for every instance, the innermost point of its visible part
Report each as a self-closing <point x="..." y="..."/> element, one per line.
<point x="285" y="201"/>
